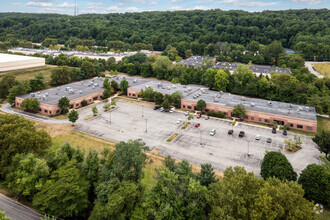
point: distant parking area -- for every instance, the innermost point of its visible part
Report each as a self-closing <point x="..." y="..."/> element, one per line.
<point x="132" y="121"/>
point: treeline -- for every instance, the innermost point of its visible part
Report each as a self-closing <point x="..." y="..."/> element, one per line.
<point x="198" y="31"/>
<point x="69" y="183"/>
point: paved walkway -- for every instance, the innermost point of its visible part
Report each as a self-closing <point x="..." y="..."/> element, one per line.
<point x="8" y="109"/>
<point x="310" y="68"/>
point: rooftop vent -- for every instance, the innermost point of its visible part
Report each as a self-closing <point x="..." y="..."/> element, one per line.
<point x="58" y="88"/>
<point x="38" y="93"/>
<point x="159" y="85"/>
<point x="253" y="104"/>
<point x="67" y="88"/>
<point x="135" y="80"/>
<point x="298" y="111"/>
<point x="242" y="98"/>
<point x="216" y="100"/>
<point x="307" y="109"/>
<point x="96" y="84"/>
<point x="270" y="103"/>
<point x="168" y="87"/>
<point x="147" y="86"/>
<point x="93" y="87"/>
<point x="80" y="91"/>
<point x="195" y="97"/>
<point x="71" y="91"/>
<point x="46" y="94"/>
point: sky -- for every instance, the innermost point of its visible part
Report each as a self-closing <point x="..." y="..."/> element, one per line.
<point x="122" y="6"/>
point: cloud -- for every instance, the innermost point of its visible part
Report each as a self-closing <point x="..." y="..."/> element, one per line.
<point x="16" y="3"/>
<point x="132" y="9"/>
<point x="153" y="3"/>
<point x="309" y="2"/>
<point x="65" y="5"/>
<point x="95" y="3"/>
<point x="39" y="4"/>
<point x="113" y="8"/>
<point x="205" y="1"/>
<point x="246" y="3"/>
<point x="199" y="7"/>
<point x="175" y="8"/>
<point x="174" y="1"/>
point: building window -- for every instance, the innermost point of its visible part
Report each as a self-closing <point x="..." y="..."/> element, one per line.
<point x="71" y="106"/>
<point x="133" y="95"/>
<point x="94" y="98"/>
<point x="300" y="126"/>
<point x="309" y="128"/>
<point x="77" y="104"/>
<point x="225" y="113"/>
<point x="184" y="106"/>
<point x="252" y="118"/>
<point x="46" y="111"/>
<point x="189" y="107"/>
<point x="291" y="125"/>
<point x="266" y="120"/>
<point x="246" y="117"/>
<point x="50" y="112"/>
<point x="58" y="111"/>
<point x="260" y="119"/>
<point x="129" y="94"/>
<point x="90" y="100"/>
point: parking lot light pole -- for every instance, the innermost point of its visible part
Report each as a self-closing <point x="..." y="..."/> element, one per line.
<point x="146" y="125"/>
<point x="142" y="111"/>
<point x="110" y="116"/>
<point x="248" y="154"/>
<point x="201" y="138"/>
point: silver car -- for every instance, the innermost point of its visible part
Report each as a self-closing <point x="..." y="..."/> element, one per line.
<point x="212" y="132"/>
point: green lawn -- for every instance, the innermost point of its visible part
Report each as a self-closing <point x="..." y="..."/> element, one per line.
<point x="27" y="74"/>
<point x="322" y="68"/>
<point x="323" y="124"/>
<point x="325" y="215"/>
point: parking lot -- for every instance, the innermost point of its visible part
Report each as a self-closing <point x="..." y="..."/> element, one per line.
<point x="132" y="121"/>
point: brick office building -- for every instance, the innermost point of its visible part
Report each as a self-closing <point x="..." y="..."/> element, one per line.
<point x="300" y="117"/>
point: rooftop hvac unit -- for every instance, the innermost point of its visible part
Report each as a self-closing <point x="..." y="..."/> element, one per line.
<point x="269" y="103"/>
<point x="124" y="77"/>
<point x="67" y="88"/>
<point x="80" y="91"/>
<point x="93" y="87"/>
<point x="199" y="94"/>
<point x="32" y="95"/>
<point x="135" y="80"/>
<point x="71" y="91"/>
<point x="96" y="84"/>
<point x="298" y="111"/>
<point x="189" y="89"/>
<point x="81" y="82"/>
<point x="38" y="93"/>
<point x="216" y="100"/>
<point x="147" y="86"/>
<point x="92" y="80"/>
<point x="195" y="97"/>
<point x="58" y="88"/>
<point x="174" y="86"/>
<point x="159" y="85"/>
<point x="307" y="109"/>
<point x="56" y="93"/>
<point x="168" y="87"/>
<point x="46" y="94"/>
<point x="253" y="104"/>
<point x="163" y="87"/>
<point x="203" y="91"/>
<point x="300" y="108"/>
<point x="221" y="92"/>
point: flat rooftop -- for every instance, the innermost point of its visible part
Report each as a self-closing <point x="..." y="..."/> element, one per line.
<point x="71" y="91"/>
<point x="196" y="61"/>
<point x="261" y="105"/>
<point x="4" y="58"/>
<point x="168" y="88"/>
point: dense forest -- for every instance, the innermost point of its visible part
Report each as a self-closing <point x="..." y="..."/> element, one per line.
<point x="306" y="31"/>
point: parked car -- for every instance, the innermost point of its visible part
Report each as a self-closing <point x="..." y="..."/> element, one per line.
<point x="269" y="140"/>
<point x="186" y="113"/>
<point x="162" y="109"/>
<point x="197" y="125"/>
<point x="156" y="107"/>
<point x="241" y="134"/>
<point x="257" y="137"/>
<point x="231" y="132"/>
<point x="171" y="110"/>
<point x="285" y="133"/>
<point x="212" y="132"/>
<point x="207" y="117"/>
<point x="198" y="116"/>
<point x="274" y="130"/>
<point x="178" y="121"/>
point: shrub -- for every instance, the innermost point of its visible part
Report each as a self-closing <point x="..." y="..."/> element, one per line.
<point x="216" y="114"/>
<point x="84" y="103"/>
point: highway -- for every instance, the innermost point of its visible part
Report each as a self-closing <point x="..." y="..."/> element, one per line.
<point x="17" y="211"/>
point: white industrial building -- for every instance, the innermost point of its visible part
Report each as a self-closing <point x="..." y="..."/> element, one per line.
<point x="15" y="62"/>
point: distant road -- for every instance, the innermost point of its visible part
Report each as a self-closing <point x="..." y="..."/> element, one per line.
<point x="17" y="211"/>
<point x="310" y="68"/>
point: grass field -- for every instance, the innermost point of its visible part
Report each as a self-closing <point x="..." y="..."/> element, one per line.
<point x="323" y="124"/>
<point x="322" y="68"/>
<point x="27" y="74"/>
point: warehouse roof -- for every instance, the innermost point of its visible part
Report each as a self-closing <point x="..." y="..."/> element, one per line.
<point x="261" y="105"/>
<point x="4" y="58"/>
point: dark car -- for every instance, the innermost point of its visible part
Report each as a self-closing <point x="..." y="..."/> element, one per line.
<point x="230" y="131"/>
<point x="156" y="107"/>
<point x="285" y="133"/>
<point x="274" y="130"/>
<point x="241" y="134"/>
<point x="269" y="140"/>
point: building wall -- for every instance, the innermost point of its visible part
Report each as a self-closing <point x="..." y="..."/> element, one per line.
<point x="134" y="93"/>
<point x="256" y="116"/>
<point x="54" y="109"/>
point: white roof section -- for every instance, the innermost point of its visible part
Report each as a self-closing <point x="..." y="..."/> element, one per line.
<point x="14" y="58"/>
<point x="10" y="62"/>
